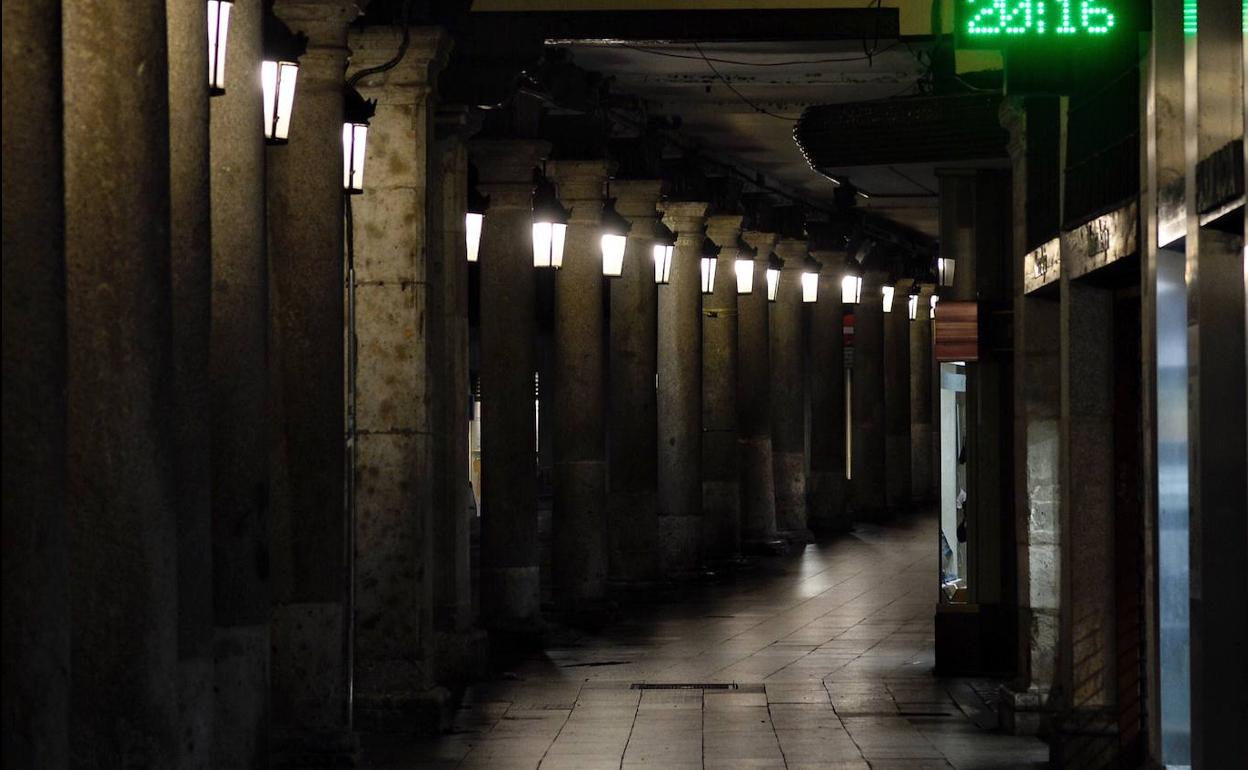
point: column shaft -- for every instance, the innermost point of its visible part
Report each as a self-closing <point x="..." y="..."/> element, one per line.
<point x="306" y="259"/>
<point x="36" y="580"/>
<point x="788" y="394"/>
<point x="922" y="366"/>
<point x="579" y="557"/>
<point x="633" y="524"/>
<point x="758" y="487"/>
<point x="897" y="439"/>
<point x="121" y="489"/>
<point x="680" y="395"/>
<point x="721" y="488"/>
<point x="868" y="401"/>
<point x="510" y="577"/>
<point x="827" y="402"/>
<point x="393" y="385"/>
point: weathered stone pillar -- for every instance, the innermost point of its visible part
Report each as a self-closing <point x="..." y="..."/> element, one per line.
<point x="309" y="673"/>
<point x="510" y="564"/>
<point x="632" y="468"/>
<point x="827" y="400"/>
<point x="897" y="437"/>
<point x="240" y="421"/>
<point x="460" y="653"/>
<point x="393" y="456"/>
<point x="922" y="366"/>
<point x="758" y="487"/>
<point x="36" y="580"/>
<point x="191" y="255"/>
<point x="121" y="489"/>
<point x="721" y="488"/>
<point x="868" y="400"/>
<point x="680" y="395"/>
<point x="788" y="394"/>
<point x="579" y="552"/>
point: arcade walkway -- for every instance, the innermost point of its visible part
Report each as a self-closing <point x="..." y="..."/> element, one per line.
<point x="830" y="653"/>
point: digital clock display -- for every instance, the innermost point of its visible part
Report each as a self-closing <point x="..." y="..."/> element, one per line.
<point x="1005" y="21"/>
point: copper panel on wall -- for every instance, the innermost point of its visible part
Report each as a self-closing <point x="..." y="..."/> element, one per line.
<point x="957" y="331"/>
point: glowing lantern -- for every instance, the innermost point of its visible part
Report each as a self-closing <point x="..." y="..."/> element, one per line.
<point x="279" y="72"/>
<point x="614" y="240"/>
<point x="550" y="225"/>
<point x="218" y="33"/>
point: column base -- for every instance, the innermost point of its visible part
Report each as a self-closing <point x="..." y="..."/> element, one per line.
<point x="681" y="544"/>
<point x="462" y="656"/>
<point x="394" y="698"/>
<point x="241" y="684"/>
<point x="1085" y="739"/>
<point x="300" y="748"/>
<point x="765" y="545"/>
<point x="1025" y="712"/>
<point x="796" y="538"/>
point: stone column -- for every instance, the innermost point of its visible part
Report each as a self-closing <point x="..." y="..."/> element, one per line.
<point x="36" y="580"/>
<point x="788" y="395"/>
<point x="827" y="400"/>
<point x="579" y="522"/>
<point x="460" y="653"/>
<point x="868" y="400"/>
<point x="121" y="489"/>
<point x="680" y="395"/>
<point x="510" y="558"/>
<point x="239" y="405"/>
<point x="721" y="488"/>
<point x="897" y="437"/>
<point x="393" y="387"/>
<point x="922" y="367"/>
<point x="309" y="673"/>
<point x="758" y="487"/>
<point x="191" y="255"/>
<point x="632" y="468"/>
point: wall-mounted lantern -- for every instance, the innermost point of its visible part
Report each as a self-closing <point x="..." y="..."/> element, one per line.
<point x="614" y="240"/>
<point x="356" y="112"/>
<point x="810" y="279"/>
<point x="278" y="73"/>
<point x="744" y="267"/>
<point x="774" y="266"/>
<point x="664" y="248"/>
<point x="474" y="216"/>
<point x="218" y="34"/>
<point x="912" y="303"/>
<point x="944" y="270"/>
<point x="851" y="284"/>
<point x="550" y="225"/>
<point x="935" y="299"/>
<point x="710" y="259"/>
<point x="889" y="291"/>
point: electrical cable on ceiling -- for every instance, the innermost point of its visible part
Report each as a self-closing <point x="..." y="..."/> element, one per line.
<point x="742" y="63"/>
<point x="741" y="96"/>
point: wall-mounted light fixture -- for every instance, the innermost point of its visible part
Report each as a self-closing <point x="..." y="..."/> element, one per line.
<point x="614" y="240"/>
<point x="851" y="284"/>
<point x="356" y="112"/>
<point x="774" y="266"/>
<point x="474" y="216"/>
<point x="218" y="34"/>
<point x="664" y="247"/>
<point x="912" y="303"/>
<point x="744" y="267"/>
<point x="944" y="270"/>
<point x="889" y="291"/>
<point x="550" y="225"/>
<point x="710" y="259"/>
<point x="279" y="72"/>
<point x="810" y="279"/>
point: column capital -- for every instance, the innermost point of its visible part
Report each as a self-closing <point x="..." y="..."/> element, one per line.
<point x="833" y="261"/>
<point x="685" y="218"/>
<point x="762" y="242"/>
<point x="637" y="200"/>
<point x="505" y="168"/>
<point x="325" y="23"/>
<point x="428" y="50"/>
<point x="580" y="185"/>
<point x="724" y="230"/>
<point x="793" y="252"/>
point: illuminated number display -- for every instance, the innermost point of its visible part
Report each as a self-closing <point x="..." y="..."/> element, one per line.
<point x="1036" y="19"/>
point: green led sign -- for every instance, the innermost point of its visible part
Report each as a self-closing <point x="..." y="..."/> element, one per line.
<point x="1003" y="22"/>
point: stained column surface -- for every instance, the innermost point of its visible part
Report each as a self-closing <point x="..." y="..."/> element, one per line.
<point x="36" y="582"/>
<point x="121" y="490"/>
<point x="897" y="438"/>
<point x="788" y="394"/>
<point x="868" y="400"/>
<point x="510" y="577"/>
<point x="306" y="267"/>
<point x="827" y="401"/>
<point x="721" y="488"/>
<point x="579" y="557"/>
<point x="394" y="383"/>
<point x="239" y="404"/>
<point x="922" y="366"/>
<point x="758" y="488"/>
<point x="680" y="395"/>
<point x="632" y="517"/>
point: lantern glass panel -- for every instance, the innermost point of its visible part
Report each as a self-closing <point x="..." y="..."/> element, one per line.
<point x="472" y="234"/>
<point x="810" y="287"/>
<point x="945" y="267"/>
<point x="912" y="306"/>
<point x="935" y="299"/>
<point x="548" y="244"/>
<point x="218" y="34"/>
<point x="889" y="291"/>
<point x="773" y="283"/>
<point x="745" y="275"/>
<point x="613" y="255"/>
<point x="663" y="262"/>
<point x="708" y="274"/>
<point x="278" y="80"/>
<point x="354" y="140"/>
<point x="851" y="289"/>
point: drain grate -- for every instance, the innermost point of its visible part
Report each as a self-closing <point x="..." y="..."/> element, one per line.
<point x="684" y="686"/>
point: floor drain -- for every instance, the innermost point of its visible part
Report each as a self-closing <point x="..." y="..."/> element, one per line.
<point x="684" y="686"/>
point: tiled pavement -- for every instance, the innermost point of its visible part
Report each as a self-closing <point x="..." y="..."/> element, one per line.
<point x="830" y="652"/>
